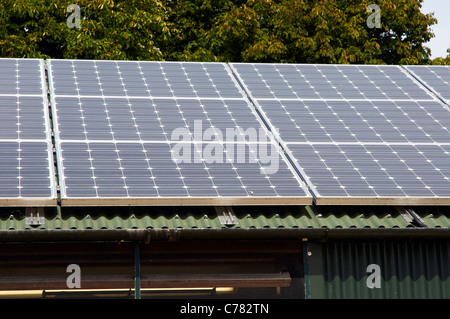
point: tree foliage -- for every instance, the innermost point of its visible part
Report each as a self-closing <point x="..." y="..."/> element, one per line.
<point x="109" y="29"/>
<point x="442" y="61"/>
<point x="301" y="31"/>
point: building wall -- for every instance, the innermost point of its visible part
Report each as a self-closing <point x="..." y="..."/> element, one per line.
<point x="254" y="269"/>
<point x="407" y="269"/>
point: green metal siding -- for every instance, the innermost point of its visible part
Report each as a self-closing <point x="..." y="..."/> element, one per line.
<point x="408" y="269"/>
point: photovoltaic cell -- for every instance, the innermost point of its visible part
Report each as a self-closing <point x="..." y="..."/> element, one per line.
<point x="26" y="152"/>
<point x="157" y="133"/>
<point x="358" y="134"/>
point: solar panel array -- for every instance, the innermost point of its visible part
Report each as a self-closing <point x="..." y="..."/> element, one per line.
<point x="142" y="133"/>
<point x="26" y="151"/>
<point x="187" y="133"/>
<point x="358" y="134"/>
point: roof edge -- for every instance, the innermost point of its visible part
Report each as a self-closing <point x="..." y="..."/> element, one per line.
<point x="148" y="235"/>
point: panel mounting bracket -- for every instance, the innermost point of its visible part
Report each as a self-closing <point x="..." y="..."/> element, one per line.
<point x="226" y="215"/>
<point x="410" y="216"/>
<point x="34" y="216"/>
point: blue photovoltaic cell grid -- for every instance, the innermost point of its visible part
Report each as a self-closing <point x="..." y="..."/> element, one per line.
<point x="348" y="121"/>
<point x="147" y="170"/>
<point x="146" y="119"/>
<point x="23" y="117"/>
<point x="356" y="131"/>
<point x="375" y="170"/>
<point x="24" y="171"/>
<point x="310" y="81"/>
<point x="117" y="125"/>
<point x="26" y="165"/>
<point x="436" y="77"/>
<point x="141" y="79"/>
<point x="21" y="76"/>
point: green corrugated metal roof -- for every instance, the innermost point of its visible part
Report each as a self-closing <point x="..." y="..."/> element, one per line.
<point x="206" y="217"/>
<point x="434" y="216"/>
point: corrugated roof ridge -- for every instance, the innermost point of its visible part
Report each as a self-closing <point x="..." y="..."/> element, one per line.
<point x="248" y="217"/>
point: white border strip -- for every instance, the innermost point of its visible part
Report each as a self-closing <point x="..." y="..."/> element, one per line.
<point x="51" y="161"/>
<point x="59" y="164"/>
<point x="182" y="201"/>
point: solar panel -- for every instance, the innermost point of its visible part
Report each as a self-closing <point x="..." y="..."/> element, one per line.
<point x="162" y="133"/>
<point x="310" y="81"/>
<point x="435" y="77"/>
<point x="26" y="152"/>
<point x="357" y="134"/>
<point x="349" y="121"/>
